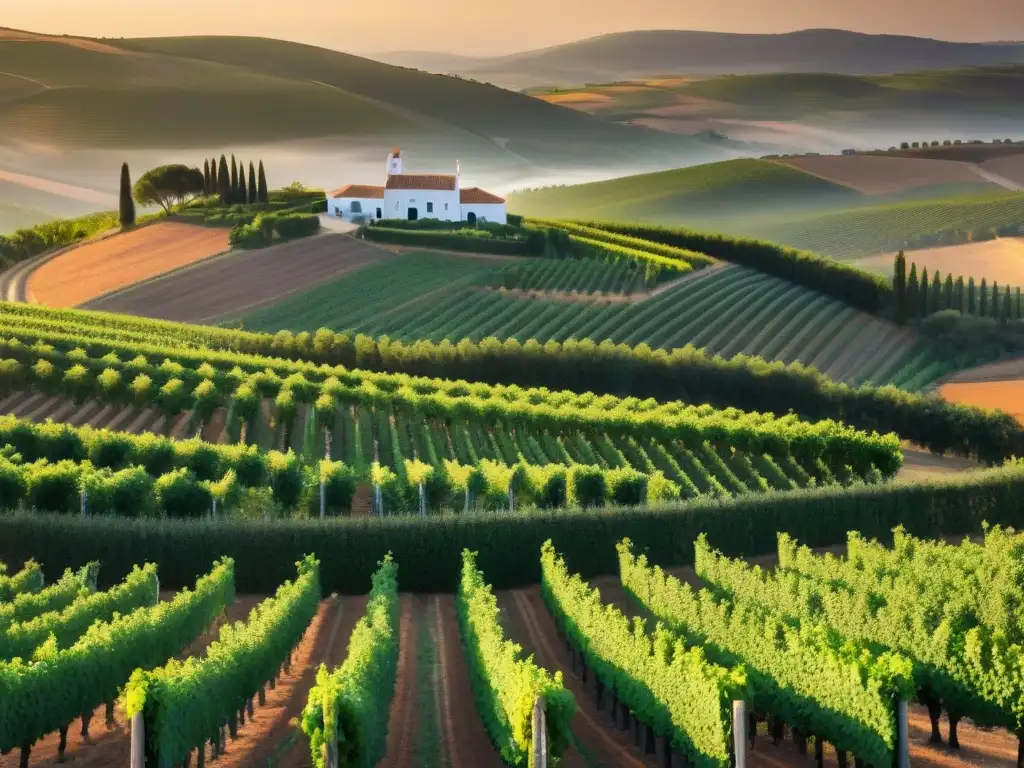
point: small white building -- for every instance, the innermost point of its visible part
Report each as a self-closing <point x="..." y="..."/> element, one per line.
<point x="415" y="196"/>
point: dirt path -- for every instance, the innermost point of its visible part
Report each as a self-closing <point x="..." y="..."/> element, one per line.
<point x="465" y="743"/>
<point x="402" y="721"/>
<point x="995" y="178"/>
<point x="604" y="746"/>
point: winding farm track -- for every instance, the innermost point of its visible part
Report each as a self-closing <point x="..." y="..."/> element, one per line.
<point x="230" y="285"/>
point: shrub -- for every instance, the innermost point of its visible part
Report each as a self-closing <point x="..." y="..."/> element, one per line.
<point x="297" y="225"/>
<point x="179" y="494"/>
<point x="587" y="486"/>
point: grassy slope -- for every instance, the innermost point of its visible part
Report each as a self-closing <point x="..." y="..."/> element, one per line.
<point x="14" y="217"/>
<point x="703" y="192"/>
<point x="759" y="198"/>
<point x="201" y="90"/>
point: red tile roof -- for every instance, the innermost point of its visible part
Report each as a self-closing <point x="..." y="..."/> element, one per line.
<point x="478" y="196"/>
<point x="359" y="190"/>
<point x="436" y="181"/>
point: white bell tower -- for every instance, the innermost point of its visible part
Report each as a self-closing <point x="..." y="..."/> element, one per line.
<point x="395" y="162"/>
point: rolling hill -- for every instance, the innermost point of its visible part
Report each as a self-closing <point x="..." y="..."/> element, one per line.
<point x="645" y="53"/>
<point x="14" y="217"/>
<point x="202" y="91"/>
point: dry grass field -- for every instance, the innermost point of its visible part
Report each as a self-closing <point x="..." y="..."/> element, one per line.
<point x="999" y="260"/>
<point x="98" y="268"/>
<point x="1011" y="167"/>
<point x="877" y="175"/>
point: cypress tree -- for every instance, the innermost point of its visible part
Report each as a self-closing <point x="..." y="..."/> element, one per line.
<point x="1004" y="310"/>
<point x="234" y="180"/>
<point x="926" y="294"/>
<point x="971" y="308"/>
<point x="252" y="192"/>
<point x="1017" y="311"/>
<point x="899" y="286"/>
<point x="993" y="306"/>
<point x="936" y="293"/>
<point x="947" y="293"/>
<point x="264" y="194"/>
<point x="983" y="299"/>
<point x="913" y="295"/>
<point x="223" y="182"/>
<point x="240" y="192"/>
<point x="206" y="177"/>
<point x="126" y="206"/>
<point x="958" y="295"/>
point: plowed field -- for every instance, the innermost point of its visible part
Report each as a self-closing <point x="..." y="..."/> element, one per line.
<point x="876" y="175"/>
<point x="1007" y="396"/>
<point x="95" y="269"/>
<point x="1000" y="260"/>
<point x="244" y="281"/>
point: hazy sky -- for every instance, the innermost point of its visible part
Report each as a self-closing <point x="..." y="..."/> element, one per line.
<point x="465" y="26"/>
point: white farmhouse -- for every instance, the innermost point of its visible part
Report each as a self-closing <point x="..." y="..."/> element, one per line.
<point x="415" y="196"/>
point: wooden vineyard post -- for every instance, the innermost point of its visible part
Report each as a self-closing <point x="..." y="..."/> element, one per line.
<point x="85" y="501"/>
<point x="423" y="499"/>
<point x="511" y="498"/>
<point x="902" y="736"/>
<point x="539" y="748"/>
<point x="323" y="498"/>
<point x="739" y="732"/>
<point x="138" y="753"/>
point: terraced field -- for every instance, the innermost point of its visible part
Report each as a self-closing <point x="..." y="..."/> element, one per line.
<point x="726" y="309"/>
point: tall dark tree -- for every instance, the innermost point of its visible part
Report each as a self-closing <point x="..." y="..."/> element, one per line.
<point x="1017" y="312"/>
<point x="1005" y="311"/>
<point x="993" y="305"/>
<point x="899" y="287"/>
<point x="913" y="294"/>
<point x="958" y="295"/>
<point x="240" y="193"/>
<point x="126" y="205"/>
<point x="252" y="193"/>
<point x="234" y="180"/>
<point x="926" y="294"/>
<point x="947" y="293"/>
<point x="971" y="308"/>
<point x="206" y="177"/>
<point x="264" y="193"/>
<point x="935" y="300"/>
<point x="223" y="182"/>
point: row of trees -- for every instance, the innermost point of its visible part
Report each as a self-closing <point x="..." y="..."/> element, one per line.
<point x="230" y="184"/>
<point x="918" y="297"/>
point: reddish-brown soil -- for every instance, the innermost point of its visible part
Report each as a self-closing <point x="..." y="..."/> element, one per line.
<point x="91" y="270"/>
<point x="878" y="175"/>
<point x="228" y="286"/>
<point x="464" y="742"/>
<point x="403" y="719"/>
<point x="1007" y="396"/>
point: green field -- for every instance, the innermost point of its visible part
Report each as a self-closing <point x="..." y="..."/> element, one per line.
<point x="882" y="228"/>
<point x="710" y="192"/>
<point x="380" y="290"/>
<point x="770" y="201"/>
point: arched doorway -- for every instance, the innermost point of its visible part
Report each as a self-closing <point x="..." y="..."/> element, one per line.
<point x="471" y="219"/>
<point x="413" y="214"/>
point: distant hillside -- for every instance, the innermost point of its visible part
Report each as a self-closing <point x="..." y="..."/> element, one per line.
<point x="201" y="91"/>
<point x="700" y="193"/>
<point x="638" y="54"/>
<point x="14" y="217"/>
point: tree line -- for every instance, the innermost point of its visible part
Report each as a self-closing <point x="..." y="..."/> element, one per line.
<point x="230" y="183"/>
<point x="919" y="296"/>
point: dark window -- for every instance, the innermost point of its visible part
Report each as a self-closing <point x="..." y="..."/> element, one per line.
<point x="378" y="213"/>
<point x="357" y="207"/>
<point x="430" y="207"/>
<point x="471" y="218"/>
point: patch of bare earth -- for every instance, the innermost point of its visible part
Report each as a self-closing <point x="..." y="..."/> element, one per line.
<point x="17" y="36"/>
<point x="1006" y="396"/>
<point x="97" y="268"/>
<point x="1001" y="260"/>
<point x="1011" y="167"/>
<point x="403" y="718"/>
<point x="877" y="175"/>
<point x="229" y="286"/>
<point x="464" y="742"/>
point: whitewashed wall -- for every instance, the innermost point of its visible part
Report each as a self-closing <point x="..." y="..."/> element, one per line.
<point x="343" y="205"/>
<point x="493" y="212"/>
<point x="397" y="203"/>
